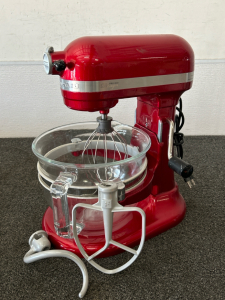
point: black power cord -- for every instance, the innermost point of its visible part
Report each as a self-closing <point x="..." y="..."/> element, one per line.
<point x="178" y="137"/>
<point x="178" y="165"/>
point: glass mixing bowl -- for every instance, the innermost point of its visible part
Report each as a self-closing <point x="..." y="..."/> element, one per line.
<point x="62" y="150"/>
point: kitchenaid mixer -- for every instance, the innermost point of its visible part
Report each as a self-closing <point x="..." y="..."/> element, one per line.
<point x="86" y="168"/>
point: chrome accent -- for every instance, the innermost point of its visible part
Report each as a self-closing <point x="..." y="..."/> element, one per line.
<point x="47" y="60"/>
<point x="49" y="49"/>
<point x="135" y="116"/>
<point x="170" y="142"/>
<point x="121" y="84"/>
<point x="160" y="129"/>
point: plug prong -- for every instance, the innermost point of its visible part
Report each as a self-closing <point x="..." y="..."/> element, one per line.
<point x="189" y="184"/>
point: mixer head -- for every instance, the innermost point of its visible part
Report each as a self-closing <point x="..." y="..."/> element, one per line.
<point x="97" y="71"/>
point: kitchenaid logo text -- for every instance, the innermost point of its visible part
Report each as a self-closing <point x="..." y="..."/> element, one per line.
<point x="111" y="85"/>
<point x="69" y="85"/>
<point x="88" y="86"/>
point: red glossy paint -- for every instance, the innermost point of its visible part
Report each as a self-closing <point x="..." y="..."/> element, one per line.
<point x="151" y="109"/>
<point x="99" y="58"/>
<point x="103" y="58"/>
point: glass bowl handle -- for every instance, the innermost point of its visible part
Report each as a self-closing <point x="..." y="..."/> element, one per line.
<point x="58" y="191"/>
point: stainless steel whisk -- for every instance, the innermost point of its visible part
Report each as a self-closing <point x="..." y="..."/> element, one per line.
<point x="105" y="138"/>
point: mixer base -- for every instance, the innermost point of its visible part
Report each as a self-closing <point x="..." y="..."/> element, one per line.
<point x="163" y="212"/>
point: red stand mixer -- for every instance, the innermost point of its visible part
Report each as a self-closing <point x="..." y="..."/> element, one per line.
<point x="94" y="73"/>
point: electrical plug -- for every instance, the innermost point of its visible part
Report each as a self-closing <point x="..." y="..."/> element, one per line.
<point x="183" y="169"/>
<point x="190" y="181"/>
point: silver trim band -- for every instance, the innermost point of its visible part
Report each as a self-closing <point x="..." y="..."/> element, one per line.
<point x="40" y="62"/>
<point x="160" y="129"/>
<point x="126" y="83"/>
<point x="170" y="142"/>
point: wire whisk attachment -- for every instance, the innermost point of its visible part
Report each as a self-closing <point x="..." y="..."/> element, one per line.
<point x="105" y="144"/>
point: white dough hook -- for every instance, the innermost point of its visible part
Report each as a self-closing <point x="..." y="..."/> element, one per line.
<point x="39" y="249"/>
